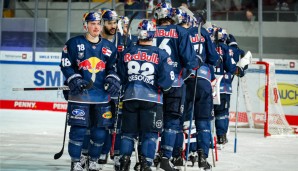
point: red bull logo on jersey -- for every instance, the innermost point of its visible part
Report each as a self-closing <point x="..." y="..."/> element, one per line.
<point x="195" y="39"/>
<point x="163" y="33"/>
<point x="141" y="56"/>
<point x="92" y="64"/>
<point x="106" y="51"/>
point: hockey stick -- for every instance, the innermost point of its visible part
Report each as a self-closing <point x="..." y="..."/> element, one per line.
<point x="128" y="27"/>
<point x="193" y="104"/>
<point x="59" y="154"/>
<point x="112" y="151"/>
<point x="190" y="121"/>
<point x="236" y="122"/>
<point x="212" y="145"/>
<point x="88" y="86"/>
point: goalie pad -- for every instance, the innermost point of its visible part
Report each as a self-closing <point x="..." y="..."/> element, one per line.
<point x="216" y="89"/>
<point x="246" y="60"/>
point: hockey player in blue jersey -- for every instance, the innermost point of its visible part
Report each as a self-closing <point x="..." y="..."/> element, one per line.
<point x="124" y="30"/>
<point x="175" y="40"/>
<point x="110" y="25"/>
<point x="88" y="58"/>
<point x="227" y="68"/>
<point x="147" y="74"/>
<point x="203" y="98"/>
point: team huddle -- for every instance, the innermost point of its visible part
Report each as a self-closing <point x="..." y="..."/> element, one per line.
<point x="127" y="90"/>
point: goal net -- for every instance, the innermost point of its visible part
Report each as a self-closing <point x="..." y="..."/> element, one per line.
<point x="259" y="105"/>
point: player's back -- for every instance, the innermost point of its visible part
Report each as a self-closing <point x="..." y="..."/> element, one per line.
<point x="144" y="71"/>
<point x="175" y="40"/>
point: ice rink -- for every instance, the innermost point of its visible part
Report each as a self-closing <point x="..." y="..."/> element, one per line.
<point x="29" y="140"/>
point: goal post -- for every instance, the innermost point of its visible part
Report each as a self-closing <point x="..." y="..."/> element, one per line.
<point x="259" y="101"/>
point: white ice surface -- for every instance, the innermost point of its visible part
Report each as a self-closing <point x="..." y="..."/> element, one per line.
<point x="29" y="140"/>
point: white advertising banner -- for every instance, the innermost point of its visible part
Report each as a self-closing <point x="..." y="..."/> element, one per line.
<point x="48" y="56"/>
<point x="16" y="56"/>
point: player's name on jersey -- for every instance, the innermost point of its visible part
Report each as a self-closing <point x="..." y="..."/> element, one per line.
<point x="141" y="56"/>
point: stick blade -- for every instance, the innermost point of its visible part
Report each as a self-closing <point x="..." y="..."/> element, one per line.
<point x="58" y="155"/>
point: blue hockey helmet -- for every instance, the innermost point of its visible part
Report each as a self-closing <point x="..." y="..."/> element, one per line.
<point x="124" y="20"/>
<point x="91" y="16"/>
<point x="163" y="10"/>
<point x="109" y="15"/>
<point x="146" y="30"/>
<point x="222" y="34"/>
<point x="180" y="16"/>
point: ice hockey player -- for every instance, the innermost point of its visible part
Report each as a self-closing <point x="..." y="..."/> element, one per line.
<point x="146" y="73"/>
<point x="88" y="62"/>
<point x="227" y="68"/>
<point x="203" y="104"/>
<point x="111" y="25"/>
<point x="124" y="30"/>
<point x="175" y="40"/>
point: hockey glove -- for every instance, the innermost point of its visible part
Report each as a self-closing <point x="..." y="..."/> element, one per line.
<point x="112" y="85"/>
<point x="77" y="85"/>
<point x="240" y="72"/>
<point x="231" y="41"/>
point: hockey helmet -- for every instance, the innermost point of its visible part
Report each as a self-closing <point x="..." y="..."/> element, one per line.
<point x="124" y="20"/>
<point x="90" y="16"/>
<point x="146" y="30"/>
<point x="222" y="34"/>
<point x="163" y="10"/>
<point x="180" y="16"/>
<point x="109" y="15"/>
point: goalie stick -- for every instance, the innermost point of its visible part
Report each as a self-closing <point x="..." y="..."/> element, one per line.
<point x="59" y="154"/>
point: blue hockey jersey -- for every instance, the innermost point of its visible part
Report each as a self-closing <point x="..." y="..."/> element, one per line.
<point x="91" y="61"/>
<point x="205" y="49"/>
<point x="226" y="68"/>
<point x="145" y="71"/>
<point x="176" y="41"/>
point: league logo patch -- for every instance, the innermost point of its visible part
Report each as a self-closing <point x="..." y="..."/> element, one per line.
<point x="78" y="112"/>
<point x="158" y="124"/>
<point x="65" y="49"/>
<point x="107" y="115"/>
<point x="106" y="51"/>
<point x="80" y="55"/>
<point x="169" y="61"/>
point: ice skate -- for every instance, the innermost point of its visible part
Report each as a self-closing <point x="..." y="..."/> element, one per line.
<point x="84" y="161"/>
<point x="157" y="159"/>
<point x="93" y="166"/>
<point x="202" y="162"/>
<point x="124" y="163"/>
<point x="103" y="159"/>
<point x="144" y="165"/>
<point x="220" y="142"/>
<point x="193" y="157"/>
<point x="179" y="161"/>
<point x="137" y="167"/>
<point x="166" y="165"/>
<point x="76" y="166"/>
<point x="116" y="162"/>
